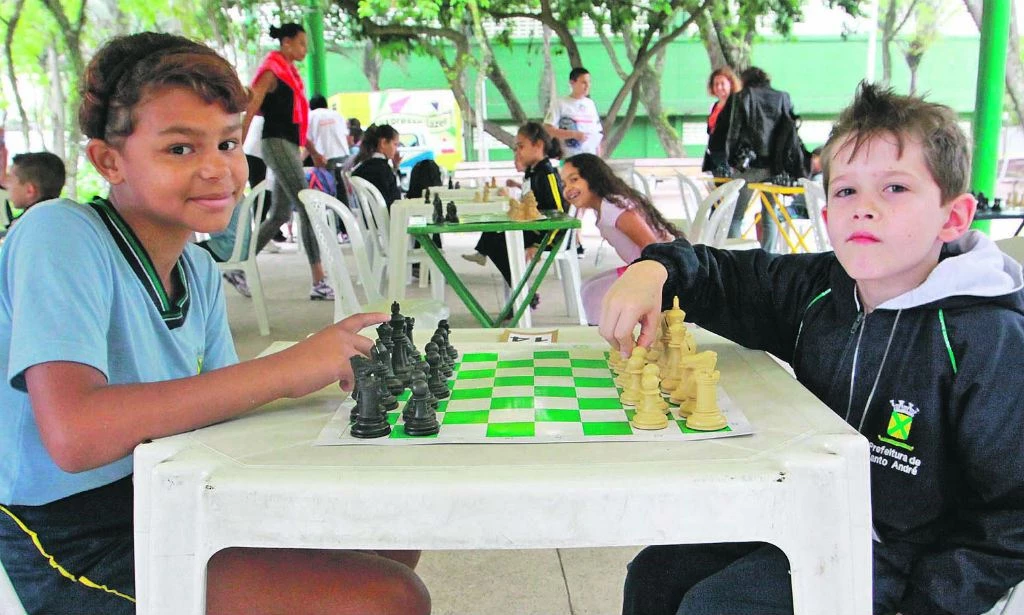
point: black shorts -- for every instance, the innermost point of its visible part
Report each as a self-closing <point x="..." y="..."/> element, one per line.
<point x="75" y="555"/>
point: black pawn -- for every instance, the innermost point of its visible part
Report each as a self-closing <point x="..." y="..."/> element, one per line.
<point x="417" y="375"/>
<point x="422" y="419"/>
<point x="370" y="421"/>
<point x="452" y="215"/>
<point x="447" y="365"/>
<point x="435" y="381"/>
<point x="458" y="185"/>
<point x="447" y="331"/>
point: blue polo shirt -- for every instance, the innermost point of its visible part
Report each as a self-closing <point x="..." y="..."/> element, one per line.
<point x="76" y="285"/>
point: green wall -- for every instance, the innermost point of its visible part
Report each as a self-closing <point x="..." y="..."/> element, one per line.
<point x="819" y="73"/>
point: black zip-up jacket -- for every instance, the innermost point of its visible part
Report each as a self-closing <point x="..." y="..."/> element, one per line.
<point x="748" y="120"/>
<point x="934" y="379"/>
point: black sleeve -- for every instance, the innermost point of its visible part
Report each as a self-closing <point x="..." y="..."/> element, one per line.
<point x="752" y="297"/>
<point x="546" y="185"/>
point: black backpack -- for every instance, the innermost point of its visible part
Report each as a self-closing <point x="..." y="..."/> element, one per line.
<point x="789" y="155"/>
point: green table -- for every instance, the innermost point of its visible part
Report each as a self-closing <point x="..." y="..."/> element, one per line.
<point x="552" y="223"/>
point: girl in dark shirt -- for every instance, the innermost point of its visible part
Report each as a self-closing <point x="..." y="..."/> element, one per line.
<point x="534" y="149"/>
<point x="379" y="145"/>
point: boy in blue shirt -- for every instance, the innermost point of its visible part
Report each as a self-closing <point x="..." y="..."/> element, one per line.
<point x="912" y="331"/>
<point x="113" y="332"/>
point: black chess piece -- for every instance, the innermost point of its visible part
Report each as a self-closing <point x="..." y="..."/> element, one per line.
<point x="384" y="335"/>
<point x="447" y="365"/>
<point x="435" y="380"/>
<point x="394" y="384"/>
<point x="400" y="353"/>
<point x="417" y="374"/>
<point x="422" y="419"/>
<point x="451" y="215"/>
<point x="360" y="369"/>
<point x="387" y="399"/>
<point x="453" y="354"/>
<point x="982" y="201"/>
<point x="370" y="421"/>
<point x="426" y="195"/>
<point x="458" y="185"/>
<point x="438" y="217"/>
<point x="449" y="182"/>
<point x="997" y="204"/>
<point x="411" y="351"/>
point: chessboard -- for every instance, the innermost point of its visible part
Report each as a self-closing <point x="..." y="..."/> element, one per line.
<point x="540" y="394"/>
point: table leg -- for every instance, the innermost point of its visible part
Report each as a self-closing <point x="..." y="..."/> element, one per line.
<point x="452" y="278"/>
<point x="398" y="252"/>
<point x="1017" y="232"/>
<point x="520" y="307"/>
<point x="516" y="265"/>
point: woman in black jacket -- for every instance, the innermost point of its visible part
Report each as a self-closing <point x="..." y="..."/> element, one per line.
<point x="534" y="149"/>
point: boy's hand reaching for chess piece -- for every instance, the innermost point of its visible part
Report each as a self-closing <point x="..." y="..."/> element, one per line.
<point x="328" y="353"/>
<point x="634" y="298"/>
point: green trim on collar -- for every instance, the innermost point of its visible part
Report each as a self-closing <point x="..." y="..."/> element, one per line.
<point x="173" y="312"/>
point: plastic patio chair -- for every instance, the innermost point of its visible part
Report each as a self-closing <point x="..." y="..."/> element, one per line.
<point x="814" y="196"/>
<point x="243" y="255"/>
<point x="711" y="227"/>
<point x="10" y="604"/>
<point x="320" y="207"/>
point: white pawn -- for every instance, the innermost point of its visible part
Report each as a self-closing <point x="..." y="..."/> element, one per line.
<point x="634" y="370"/>
<point x="707" y="416"/>
<point x="615" y="361"/>
<point x="622" y="379"/>
<point x="648" y="413"/>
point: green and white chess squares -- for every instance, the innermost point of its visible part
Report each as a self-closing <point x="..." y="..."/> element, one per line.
<point x="534" y="396"/>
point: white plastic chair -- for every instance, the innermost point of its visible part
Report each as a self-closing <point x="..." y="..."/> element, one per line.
<point x="814" y="196"/>
<point x="376" y="216"/>
<point x="5" y="220"/>
<point x="1010" y="604"/>
<point x="692" y="197"/>
<point x="567" y="265"/>
<point x="243" y="256"/>
<point x="710" y="228"/>
<point x="320" y="206"/>
<point x="10" y="604"/>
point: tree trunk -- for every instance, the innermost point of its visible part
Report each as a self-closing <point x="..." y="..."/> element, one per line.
<point x="371" y="66"/>
<point x="57" y="101"/>
<point x="1014" y="67"/>
<point x="709" y="36"/>
<point x="12" y="23"/>
<point x="548" y="87"/>
<point x="888" y="33"/>
<point x="650" y="94"/>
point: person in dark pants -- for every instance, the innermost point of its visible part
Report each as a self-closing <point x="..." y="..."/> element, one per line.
<point x="535" y="149"/>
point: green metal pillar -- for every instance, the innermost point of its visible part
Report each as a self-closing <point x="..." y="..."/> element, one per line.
<point x="988" y="106"/>
<point x="317" y="77"/>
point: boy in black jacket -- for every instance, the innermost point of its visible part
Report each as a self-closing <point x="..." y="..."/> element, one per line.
<point x="912" y="331"/>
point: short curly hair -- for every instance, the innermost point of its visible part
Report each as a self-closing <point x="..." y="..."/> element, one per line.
<point x="127" y="68"/>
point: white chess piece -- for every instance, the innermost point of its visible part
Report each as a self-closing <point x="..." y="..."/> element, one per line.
<point x="707" y="416"/>
<point x="648" y="413"/>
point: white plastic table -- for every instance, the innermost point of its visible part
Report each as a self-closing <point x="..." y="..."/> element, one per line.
<point x="403" y="209"/>
<point x="801" y="483"/>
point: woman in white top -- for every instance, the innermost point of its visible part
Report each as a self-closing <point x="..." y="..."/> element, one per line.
<point x="625" y="218"/>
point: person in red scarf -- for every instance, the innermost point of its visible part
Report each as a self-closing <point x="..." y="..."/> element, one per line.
<point x="279" y="95"/>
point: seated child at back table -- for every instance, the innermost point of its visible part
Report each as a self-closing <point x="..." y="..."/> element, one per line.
<point x="626" y="219"/>
<point x="912" y="331"/>
<point x="113" y="332"/>
<point x="34" y="177"/>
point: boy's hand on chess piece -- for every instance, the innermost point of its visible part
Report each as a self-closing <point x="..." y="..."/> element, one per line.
<point x="326" y="356"/>
<point x="634" y="298"/>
